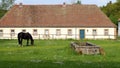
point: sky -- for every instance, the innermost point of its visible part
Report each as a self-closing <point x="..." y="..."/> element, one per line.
<point x="39" y="2"/>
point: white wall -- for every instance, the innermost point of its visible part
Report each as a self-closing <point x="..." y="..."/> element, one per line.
<point x="118" y="28"/>
<point x="64" y="32"/>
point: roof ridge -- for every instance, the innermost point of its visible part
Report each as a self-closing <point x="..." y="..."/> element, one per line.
<point x="56" y="4"/>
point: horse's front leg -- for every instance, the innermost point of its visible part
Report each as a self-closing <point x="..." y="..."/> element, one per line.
<point x="27" y="42"/>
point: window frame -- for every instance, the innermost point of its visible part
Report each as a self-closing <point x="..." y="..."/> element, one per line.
<point x="94" y="32"/>
<point x="24" y="30"/>
<point x="12" y="33"/>
<point x="35" y="32"/>
<point x="58" y="32"/>
<point x="1" y="33"/>
<point x="106" y="32"/>
<point x="46" y="31"/>
<point x="69" y="32"/>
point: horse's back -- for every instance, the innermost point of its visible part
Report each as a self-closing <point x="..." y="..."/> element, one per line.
<point x="19" y="34"/>
<point x="24" y="35"/>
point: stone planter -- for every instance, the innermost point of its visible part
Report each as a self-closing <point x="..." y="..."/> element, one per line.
<point x="87" y="48"/>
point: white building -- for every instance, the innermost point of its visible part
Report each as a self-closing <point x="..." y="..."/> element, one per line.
<point x="57" y="22"/>
<point x="119" y="28"/>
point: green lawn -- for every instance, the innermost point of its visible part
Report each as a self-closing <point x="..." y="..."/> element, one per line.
<point x="57" y="54"/>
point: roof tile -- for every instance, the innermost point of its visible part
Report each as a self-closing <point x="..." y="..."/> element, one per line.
<point x="55" y="16"/>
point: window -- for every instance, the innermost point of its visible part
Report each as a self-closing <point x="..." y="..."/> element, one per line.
<point x="1" y="33"/>
<point x="12" y="32"/>
<point x="35" y="32"/>
<point x="94" y="32"/>
<point x="69" y="32"/>
<point x="23" y="30"/>
<point x="106" y="32"/>
<point x="46" y="32"/>
<point x="58" y="32"/>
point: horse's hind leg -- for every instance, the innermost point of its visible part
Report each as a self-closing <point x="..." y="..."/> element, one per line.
<point x="20" y="41"/>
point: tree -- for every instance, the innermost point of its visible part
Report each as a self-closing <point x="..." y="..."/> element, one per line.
<point x="118" y="0"/>
<point x="78" y="2"/>
<point x="2" y="12"/>
<point x="6" y="4"/>
<point x="112" y="10"/>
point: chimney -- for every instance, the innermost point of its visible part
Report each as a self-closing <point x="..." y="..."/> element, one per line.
<point x="110" y="2"/>
<point x="64" y="4"/>
<point x="20" y="5"/>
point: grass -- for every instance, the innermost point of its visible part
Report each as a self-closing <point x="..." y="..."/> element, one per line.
<point x="57" y="54"/>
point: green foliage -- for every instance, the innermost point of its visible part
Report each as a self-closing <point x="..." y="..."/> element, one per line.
<point x="2" y="12"/>
<point x="78" y="2"/>
<point x="118" y="0"/>
<point x="6" y="4"/>
<point x="57" y="54"/>
<point x="112" y="10"/>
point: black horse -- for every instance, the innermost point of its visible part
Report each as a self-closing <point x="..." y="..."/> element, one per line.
<point x="27" y="36"/>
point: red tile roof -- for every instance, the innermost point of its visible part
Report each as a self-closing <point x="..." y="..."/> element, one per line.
<point x="55" y="16"/>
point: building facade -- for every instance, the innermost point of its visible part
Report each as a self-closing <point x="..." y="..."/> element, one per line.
<point x="60" y="33"/>
<point x="57" y="22"/>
